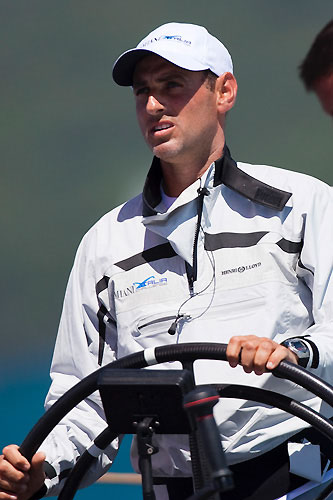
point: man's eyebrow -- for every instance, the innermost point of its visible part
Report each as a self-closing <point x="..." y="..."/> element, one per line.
<point x="170" y="75"/>
<point x="163" y="78"/>
<point x="139" y="83"/>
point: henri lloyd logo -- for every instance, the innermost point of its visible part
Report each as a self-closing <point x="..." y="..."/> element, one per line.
<point x="176" y="38"/>
<point x="150" y="282"/>
<point x="241" y="269"/>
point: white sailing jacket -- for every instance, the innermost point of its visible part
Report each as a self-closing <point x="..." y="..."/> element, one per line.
<point x="247" y="249"/>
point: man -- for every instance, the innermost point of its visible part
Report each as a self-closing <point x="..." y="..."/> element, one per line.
<point x="212" y="251"/>
<point x="316" y="70"/>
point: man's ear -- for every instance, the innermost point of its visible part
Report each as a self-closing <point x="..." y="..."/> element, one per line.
<point x="226" y="92"/>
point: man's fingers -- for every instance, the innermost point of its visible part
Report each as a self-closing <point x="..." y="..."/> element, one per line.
<point x="280" y="354"/>
<point x="13" y="488"/>
<point x="233" y="352"/>
<point x="263" y="354"/>
<point x="12" y="454"/>
<point x="7" y="495"/>
<point x="248" y="353"/>
<point x="9" y="479"/>
<point x="257" y="354"/>
<point x="18" y="478"/>
<point x="235" y="349"/>
<point x="10" y="474"/>
<point x="12" y="481"/>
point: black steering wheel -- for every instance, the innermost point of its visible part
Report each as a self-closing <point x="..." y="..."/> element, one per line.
<point x="186" y="354"/>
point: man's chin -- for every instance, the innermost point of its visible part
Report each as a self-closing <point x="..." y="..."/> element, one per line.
<point x="165" y="152"/>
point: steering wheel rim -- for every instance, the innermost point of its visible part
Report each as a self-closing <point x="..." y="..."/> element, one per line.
<point x="322" y="424"/>
<point x="186" y="353"/>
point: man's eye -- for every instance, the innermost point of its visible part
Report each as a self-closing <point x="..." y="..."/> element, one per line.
<point x="173" y="84"/>
<point x="140" y="91"/>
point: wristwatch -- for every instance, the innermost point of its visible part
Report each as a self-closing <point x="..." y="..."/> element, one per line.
<point x="300" y="348"/>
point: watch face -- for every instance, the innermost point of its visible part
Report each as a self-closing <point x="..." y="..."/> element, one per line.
<point x="299" y="347"/>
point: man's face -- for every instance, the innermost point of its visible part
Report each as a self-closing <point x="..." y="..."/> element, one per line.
<point x="324" y="90"/>
<point x="176" y="110"/>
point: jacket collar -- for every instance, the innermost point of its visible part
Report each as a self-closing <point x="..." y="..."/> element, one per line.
<point x="227" y="173"/>
<point x="152" y="189"/>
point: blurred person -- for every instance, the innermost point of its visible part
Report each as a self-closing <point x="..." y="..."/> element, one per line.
<point x="213" y="250"/>
<point x="316" y="70"/>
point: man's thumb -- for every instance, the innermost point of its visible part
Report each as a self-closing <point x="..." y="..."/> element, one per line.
<point x="37" y="475"/>
<point x="37" y="465"/>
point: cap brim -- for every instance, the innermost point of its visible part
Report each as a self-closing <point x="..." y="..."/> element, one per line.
<point x="124" y="66"/>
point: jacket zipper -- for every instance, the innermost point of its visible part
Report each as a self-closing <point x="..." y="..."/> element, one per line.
<point x="173" y="328"/>
<point x="192" y="271"/>
<point x="158" y="320"/>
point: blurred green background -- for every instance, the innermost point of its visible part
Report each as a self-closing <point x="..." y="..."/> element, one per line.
<point x="71" y="149"/>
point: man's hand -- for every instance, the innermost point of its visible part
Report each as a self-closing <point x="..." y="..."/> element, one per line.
<point x="258" y="354"/>
<point x="19" y="479"/>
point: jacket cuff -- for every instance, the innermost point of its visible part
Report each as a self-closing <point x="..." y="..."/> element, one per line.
<point x="314" y="362"/>
<point x="313" y="350"/>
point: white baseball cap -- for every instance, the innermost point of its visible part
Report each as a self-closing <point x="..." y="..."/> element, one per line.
<point x="186" y="45"/>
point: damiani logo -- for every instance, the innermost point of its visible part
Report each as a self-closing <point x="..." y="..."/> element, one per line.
<point x="150" y="282"/>
<point x="241" y="269"/>
<point x="177" y="38"/>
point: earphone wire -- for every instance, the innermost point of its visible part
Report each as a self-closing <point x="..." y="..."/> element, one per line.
<point x="212" y="280"/>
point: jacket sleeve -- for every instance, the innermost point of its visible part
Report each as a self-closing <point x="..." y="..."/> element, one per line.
<point x="75" y="356"/>
<point x="315" y="268"/>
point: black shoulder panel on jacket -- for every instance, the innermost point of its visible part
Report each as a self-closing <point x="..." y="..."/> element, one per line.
<point x="228" y="173"/>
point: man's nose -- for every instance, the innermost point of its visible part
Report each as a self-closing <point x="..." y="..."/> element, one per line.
<point x="153" y="105"/>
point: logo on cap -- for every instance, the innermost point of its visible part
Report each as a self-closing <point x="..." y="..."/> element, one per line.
<point x="177" y="38"/>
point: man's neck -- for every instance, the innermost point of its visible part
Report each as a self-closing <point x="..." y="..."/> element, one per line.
<point x="178" y="176"/>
